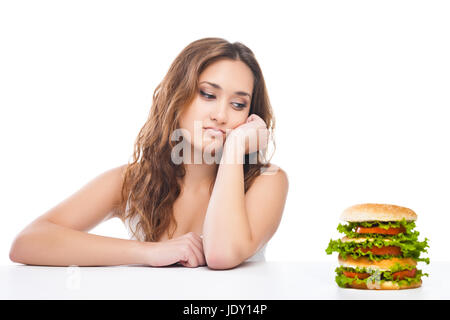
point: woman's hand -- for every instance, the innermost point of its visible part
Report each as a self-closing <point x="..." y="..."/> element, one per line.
<point x="253" y="133"/>
<point x="186" y="250"/>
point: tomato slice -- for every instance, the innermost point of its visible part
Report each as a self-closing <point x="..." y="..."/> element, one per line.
<point x="350" y="274"/>
<point x="390" y="231"/>
<point x="405" y="273"/>
<point x="392" y="250"/>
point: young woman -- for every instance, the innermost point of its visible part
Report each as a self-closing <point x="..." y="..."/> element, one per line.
<point x="178" y="207"/>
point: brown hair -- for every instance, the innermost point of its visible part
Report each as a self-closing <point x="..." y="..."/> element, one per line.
<point x="151" y="182"/>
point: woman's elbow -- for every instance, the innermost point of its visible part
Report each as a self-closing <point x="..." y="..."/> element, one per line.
<point x="15" y="251"/>
<point x="222" y="262"/>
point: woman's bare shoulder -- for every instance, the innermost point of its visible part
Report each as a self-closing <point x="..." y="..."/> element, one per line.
<point x="91" y="204"/>
<point x="271" y="170"/>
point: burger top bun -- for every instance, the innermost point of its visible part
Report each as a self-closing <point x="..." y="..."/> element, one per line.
<point x="377" y="212"/>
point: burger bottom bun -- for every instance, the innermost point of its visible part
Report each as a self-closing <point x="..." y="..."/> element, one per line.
<point x="386" y="285"/>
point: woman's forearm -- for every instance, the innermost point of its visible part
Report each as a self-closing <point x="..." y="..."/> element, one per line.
<point x="226" y="224"/>
<point x="46" y="243"/>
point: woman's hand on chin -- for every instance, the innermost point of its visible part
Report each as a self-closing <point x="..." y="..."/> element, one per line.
<point x="250" y="136"/>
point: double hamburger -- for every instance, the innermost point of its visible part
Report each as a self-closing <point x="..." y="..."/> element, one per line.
<point x="380" y="249"/>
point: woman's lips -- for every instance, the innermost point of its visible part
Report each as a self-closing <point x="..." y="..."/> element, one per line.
<point x="214" y="131"/>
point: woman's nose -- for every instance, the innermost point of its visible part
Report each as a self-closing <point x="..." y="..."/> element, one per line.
<point x="220" y="113"/>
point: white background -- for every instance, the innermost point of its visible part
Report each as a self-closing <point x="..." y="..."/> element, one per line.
<point x="360" y="91"/>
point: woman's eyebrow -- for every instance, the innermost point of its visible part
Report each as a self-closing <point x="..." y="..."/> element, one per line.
<point x="215" y="85"/>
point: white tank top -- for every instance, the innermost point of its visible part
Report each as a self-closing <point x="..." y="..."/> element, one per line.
<point x="131" y="225"/>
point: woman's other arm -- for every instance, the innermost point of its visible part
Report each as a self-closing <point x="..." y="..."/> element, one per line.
<point x="60" y="236"/>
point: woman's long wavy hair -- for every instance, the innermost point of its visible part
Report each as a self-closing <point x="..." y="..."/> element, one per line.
<point x="151" y="182"/>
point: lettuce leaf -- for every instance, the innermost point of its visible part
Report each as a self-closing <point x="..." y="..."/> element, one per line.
<point x="349" y="229"/>
<point x="409" y="249"/>
<point x="408" y="241"/>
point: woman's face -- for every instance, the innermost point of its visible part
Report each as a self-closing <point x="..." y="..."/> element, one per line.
<point x="222" y="101"/>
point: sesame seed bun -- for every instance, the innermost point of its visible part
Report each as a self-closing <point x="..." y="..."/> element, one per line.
<point x="377" y="212"/>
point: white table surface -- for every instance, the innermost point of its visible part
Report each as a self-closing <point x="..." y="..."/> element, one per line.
<point x="251" y="280"/>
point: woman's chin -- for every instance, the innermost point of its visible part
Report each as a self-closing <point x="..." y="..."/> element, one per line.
<point x="208" y="146"/>
<point x="211" y="142"/>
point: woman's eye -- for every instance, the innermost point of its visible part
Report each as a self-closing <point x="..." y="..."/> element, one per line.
<point x="210" y="96"/>
<point x="239" y="105"/>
